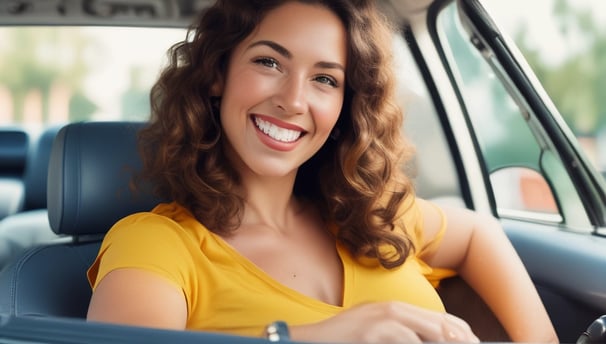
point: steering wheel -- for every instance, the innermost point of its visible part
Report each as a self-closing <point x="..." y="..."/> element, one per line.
<point x="595" y="333"/>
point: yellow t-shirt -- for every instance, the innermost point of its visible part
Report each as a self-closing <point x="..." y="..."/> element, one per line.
<point x="225" y="292"/>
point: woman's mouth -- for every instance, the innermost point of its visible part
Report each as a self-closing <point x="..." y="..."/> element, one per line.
<point x="275" y="132"/>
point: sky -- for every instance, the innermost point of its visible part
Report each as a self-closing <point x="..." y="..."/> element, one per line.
<point x="543" y="31"/>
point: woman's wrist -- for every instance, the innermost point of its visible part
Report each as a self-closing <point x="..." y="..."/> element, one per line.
<point x="306" y="333"/>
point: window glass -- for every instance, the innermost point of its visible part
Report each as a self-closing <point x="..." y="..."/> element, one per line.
<point x="526" y="175"/>
<point x="57" y="74"/>
<point x="432" y="168"/>
<point x="564" y="41"/>
<point x="54" y="74"/>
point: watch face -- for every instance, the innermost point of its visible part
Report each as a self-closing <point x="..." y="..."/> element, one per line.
<point x="276" y="331"/>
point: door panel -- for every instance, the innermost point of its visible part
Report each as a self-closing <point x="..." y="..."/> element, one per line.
<point x="569" y="270"/>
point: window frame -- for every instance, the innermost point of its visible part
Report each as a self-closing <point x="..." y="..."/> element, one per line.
<point x="587" y="181"/>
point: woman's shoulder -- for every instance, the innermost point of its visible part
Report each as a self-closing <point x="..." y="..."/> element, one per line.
<point x="409" y="218"/>
<point x="161" y="240"/>
<point x="423" y="221"/>
<point x="165" y="220"/>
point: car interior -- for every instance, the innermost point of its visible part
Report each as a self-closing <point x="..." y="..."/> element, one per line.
<point x="28" y="226"/>
<point x="63" y="186"/>
<point x="89" y="189"/>
<point x="89" y="179"/>
<point x="13" y="152"/>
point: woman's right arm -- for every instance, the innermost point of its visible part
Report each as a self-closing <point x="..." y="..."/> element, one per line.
<point x="139" y="298"/>
<point x="386" y="322"/>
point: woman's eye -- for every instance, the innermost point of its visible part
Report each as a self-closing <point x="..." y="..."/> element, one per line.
<point x="323" y="79"/>
<point x="267" y="62"/>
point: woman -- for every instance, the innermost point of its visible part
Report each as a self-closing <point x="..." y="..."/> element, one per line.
<point x="275" y="136"/>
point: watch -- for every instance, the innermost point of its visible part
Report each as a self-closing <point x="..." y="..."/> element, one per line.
<point x="277" y="331"/>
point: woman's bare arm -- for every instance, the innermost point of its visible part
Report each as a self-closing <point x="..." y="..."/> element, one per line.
<point x="476" y="246"/>
<point x="138" y="298"/>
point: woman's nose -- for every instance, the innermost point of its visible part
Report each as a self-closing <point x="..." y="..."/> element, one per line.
<point x="291" y="96"/>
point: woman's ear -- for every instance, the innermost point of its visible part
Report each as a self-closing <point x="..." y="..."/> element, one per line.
<point x="216" y="90"/>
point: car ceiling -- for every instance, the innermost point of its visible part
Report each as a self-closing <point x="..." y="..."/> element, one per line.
<point x="162" y="13"/>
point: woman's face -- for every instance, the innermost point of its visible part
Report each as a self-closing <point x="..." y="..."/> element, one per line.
<point x="284" y="89"/>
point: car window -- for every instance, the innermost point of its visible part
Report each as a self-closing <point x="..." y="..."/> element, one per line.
<point x="564" y="41"/>
<point x="55" y="74"/>
<point x="526" y="175"/>
<point x="432" y="168"/>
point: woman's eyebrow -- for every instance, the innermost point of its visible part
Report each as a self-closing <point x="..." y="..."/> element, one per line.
<point x="286" y="53"/>
<point x="275" y="46"/>
<point x="330" y="65"/>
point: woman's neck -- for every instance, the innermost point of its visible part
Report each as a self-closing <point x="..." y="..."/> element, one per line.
<point x="269" y="202"/>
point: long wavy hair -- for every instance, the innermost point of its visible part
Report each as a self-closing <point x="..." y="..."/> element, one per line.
<point x="355" y="179"/>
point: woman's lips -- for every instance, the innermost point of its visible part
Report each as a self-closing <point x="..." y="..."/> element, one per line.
<point x="277" y="130"/>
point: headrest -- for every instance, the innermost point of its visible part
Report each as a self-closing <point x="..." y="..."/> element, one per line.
<point x="13" y="150"/>
<point x="90" y="173"/>
<point x="36" y="169"/>
<point x="11" y="196"/>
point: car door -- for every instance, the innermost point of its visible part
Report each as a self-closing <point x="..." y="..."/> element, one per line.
<point x="518" y="159"/>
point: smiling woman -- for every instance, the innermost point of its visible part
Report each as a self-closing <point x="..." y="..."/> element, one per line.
<point x="276" y="139"/>
<point x="349" y="250"/>
<point x="298" y="90"/>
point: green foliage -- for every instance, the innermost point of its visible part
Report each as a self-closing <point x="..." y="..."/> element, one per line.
<point x="576" y="84"/>
<point x="81" y="107"/>
<point x="36" y="58"/>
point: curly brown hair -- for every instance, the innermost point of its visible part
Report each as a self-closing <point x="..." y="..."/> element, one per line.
<point x="181" y="146"/>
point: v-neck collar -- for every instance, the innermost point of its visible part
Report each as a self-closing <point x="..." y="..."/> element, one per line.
<point x="347" y="278"/>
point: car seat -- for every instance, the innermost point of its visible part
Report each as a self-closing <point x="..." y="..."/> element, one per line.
<point x="30" y="226"/>
<point x="90" y="173"/>
<point x="36" y="168"/>
<point x="13" y="151"/>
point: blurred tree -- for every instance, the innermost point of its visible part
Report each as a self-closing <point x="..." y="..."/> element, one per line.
<point x="576" y="84"/>
<point x="80" y="107"/>
<point x="37" y="58"/>
<point x="135" y="104"/>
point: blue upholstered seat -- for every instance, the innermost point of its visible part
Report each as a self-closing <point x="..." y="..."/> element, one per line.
<point x="90" y="171"/>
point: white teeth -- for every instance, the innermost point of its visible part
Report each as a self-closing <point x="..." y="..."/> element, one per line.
<point x="277" y="133"/>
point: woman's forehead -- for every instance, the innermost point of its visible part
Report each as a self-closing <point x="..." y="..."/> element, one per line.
<point x="301" y="27"/>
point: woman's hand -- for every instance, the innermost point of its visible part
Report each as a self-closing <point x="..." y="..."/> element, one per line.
<point x="386" y="322"/>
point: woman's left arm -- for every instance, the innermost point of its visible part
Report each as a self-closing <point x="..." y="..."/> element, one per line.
<point x="476" y="246"/>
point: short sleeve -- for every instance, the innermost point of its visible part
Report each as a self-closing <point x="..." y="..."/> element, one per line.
<point x="144" y="241"/>
<point x="413" y="221"/>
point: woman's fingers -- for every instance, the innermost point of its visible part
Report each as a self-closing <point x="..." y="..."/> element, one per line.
<point x="388" y="322"/>
<point x="457" y="330"/>
<point x="429" y="325"/>
<point x="389" y="331"/>
<point x="433" y="326"/>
